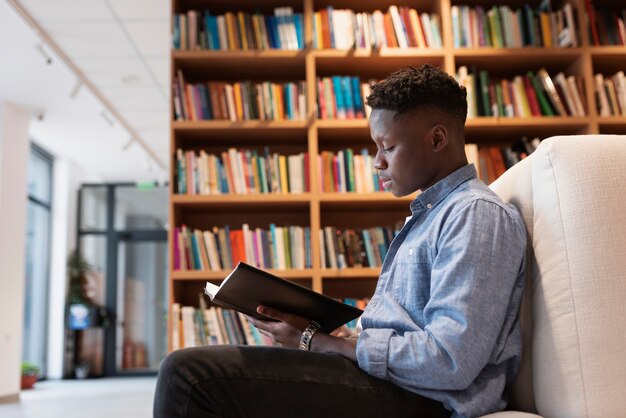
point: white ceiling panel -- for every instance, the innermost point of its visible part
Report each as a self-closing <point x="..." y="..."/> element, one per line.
<point x="161" y="69"/>
<point x="90" y="39"/>
<point x="151" y="37"/>
<point x="116" y="73"/>
<point x="147" y="120"/>
<point x="141" y="9"/>
<point x="134" y="98"/>
<point x="74" y="10"/>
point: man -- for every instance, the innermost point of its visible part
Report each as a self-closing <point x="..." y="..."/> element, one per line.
<point x="441" y="334"/>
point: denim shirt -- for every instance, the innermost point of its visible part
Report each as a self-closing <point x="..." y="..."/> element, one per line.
<point x="444" y="322"/>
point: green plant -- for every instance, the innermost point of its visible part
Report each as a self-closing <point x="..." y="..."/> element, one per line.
<point x="29" y="369"/>
<point x="78" y="269"/>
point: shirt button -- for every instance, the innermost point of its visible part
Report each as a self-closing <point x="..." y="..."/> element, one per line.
<point x="429" y="206"/>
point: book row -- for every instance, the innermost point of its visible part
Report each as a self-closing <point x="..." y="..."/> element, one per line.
<point x="492" y="161"/>
<point x="238" y="31"/>
<point x="355" y="247"/>
<point x="610" y="94"/>
<point x="245" y="100"/>
<point x="345" y="171"/>
<point x="213" y="325"/>
<point x="194" y="327"/>
<point x="399" y="27"/>
<point x="279" y="247"/>
<point x="606" y="27"/>
<point x="342" y="97"/>
<point x="523" y="96"/>
<point x="502" y="27"/>
<point x="241" y="171"/>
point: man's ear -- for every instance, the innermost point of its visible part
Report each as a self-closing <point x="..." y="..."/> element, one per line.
<point x="439" y="134"/>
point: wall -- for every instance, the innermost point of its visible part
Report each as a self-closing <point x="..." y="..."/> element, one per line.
<point x="14" y="148"/>
<point x="67" y="179"/>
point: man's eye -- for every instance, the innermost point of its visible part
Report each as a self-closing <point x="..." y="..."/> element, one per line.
<point x="388" y="149"/>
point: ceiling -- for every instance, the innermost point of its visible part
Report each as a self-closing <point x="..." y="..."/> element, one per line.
<point x="122" y="47"/>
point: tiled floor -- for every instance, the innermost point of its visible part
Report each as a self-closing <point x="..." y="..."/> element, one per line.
<point x="97" y="398"/>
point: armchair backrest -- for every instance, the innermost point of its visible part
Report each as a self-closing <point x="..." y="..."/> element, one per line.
<point x="572" y="194"/>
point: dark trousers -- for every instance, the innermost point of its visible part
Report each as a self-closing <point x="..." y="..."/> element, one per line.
<point x="241" y="381"/>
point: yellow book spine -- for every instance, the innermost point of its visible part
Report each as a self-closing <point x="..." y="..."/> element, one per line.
<point x="284" y="180"/>
<point x="231" y="27"/>
<point x="318" y="33"/>
<point x="256" y="187"/>
<point x="242" y="31"/>
<point x="546" y="32"/>
<point x="238" y="103"/>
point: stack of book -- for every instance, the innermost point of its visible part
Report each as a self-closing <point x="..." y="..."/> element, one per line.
<point x="399" y="27"/>
<point x="345" y="171"/>
<point x="610" y="94"/>
<point x="241" y="171"/>
<point x="341" y="97"/>
<point x="502" y="27"/>
<point x="238" y="31"/>
<point x="219" y="249"/>
<point x="606" y="26"/>
<point x="355" y="247"/>
<point x="523" y="96"/>
<point x="245" y="100"/>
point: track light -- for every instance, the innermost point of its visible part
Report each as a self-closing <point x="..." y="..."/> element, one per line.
<point x="128" y="144"/>
<point x="106" y="117"/>
<point x="43" y="52"/>
<point x="76" y="89"/>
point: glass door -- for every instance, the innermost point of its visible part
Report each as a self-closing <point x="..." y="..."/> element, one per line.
<point x="141" y="325"/>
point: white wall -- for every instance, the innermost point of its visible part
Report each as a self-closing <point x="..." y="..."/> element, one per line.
<point x="67" y="179"/>
<point x="14" y="146"/>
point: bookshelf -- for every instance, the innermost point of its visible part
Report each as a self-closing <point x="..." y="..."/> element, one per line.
<point x="314" y="208"/>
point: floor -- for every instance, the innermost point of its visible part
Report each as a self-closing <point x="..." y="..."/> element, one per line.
<point x="96" y="398"/>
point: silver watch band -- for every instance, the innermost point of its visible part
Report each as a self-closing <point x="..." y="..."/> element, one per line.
<point x="307" y="334"/>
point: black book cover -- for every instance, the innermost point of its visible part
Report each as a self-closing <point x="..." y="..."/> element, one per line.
<point x="248" y="287"/>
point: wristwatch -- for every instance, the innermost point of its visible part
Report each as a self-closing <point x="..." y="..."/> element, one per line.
<point x="307" y="334"/>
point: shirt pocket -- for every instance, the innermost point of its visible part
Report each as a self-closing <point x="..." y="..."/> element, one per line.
<point x="411" y="277"/>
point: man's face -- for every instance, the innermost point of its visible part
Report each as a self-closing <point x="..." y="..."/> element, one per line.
<point x="405" y="157"/>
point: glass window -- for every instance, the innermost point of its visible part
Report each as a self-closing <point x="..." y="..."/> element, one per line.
<point x="93" y="208"/>
<point x="141" y="208"/>
<point x="37" y="259"/>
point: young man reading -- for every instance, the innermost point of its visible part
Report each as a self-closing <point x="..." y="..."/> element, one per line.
<point x="441" y="334"/>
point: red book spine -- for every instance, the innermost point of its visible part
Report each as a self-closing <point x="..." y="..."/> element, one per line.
<point x="532" y="97"/>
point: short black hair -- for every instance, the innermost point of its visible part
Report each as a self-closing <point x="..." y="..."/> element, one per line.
<point x="410" y="88"/>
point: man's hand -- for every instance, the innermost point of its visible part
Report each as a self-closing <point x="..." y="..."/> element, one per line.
<point x="288" y="330"/>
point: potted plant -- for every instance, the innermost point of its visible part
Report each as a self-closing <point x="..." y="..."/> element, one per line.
<point x="30" y="373"/>
<point x="82" y="311"/>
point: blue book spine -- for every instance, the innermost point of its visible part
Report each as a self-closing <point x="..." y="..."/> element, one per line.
<point x="358" y="100"/>
<point x="214" y="32"/>
<point x="275" y="33"/>
<point x="307" y="247"/>
<point x="348" y="96"/>
<point x="195" y="251"/>
<point x="287" y="106"/>
<point x="176" y="30"/>
<point x="341" y="109"/>
<point x="298" y="20"/>
<point x="207" y="28"/>
<point x="206" y="102"/>
<point x="330" y="26"/>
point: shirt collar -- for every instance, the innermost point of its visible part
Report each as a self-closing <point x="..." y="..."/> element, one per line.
<point x="438" y="191"/>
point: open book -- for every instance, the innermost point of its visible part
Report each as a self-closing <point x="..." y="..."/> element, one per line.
<point x="248" y="287"/>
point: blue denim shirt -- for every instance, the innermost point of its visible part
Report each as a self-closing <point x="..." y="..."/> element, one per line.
<point x="444" y="320"/>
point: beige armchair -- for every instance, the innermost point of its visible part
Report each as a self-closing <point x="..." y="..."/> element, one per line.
<point x="572" y="194"/>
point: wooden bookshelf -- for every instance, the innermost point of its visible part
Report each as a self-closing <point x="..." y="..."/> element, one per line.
<point x="316" y="209"/>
